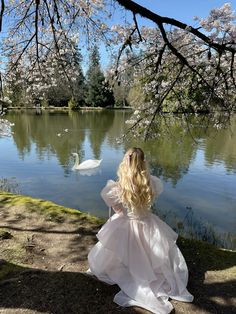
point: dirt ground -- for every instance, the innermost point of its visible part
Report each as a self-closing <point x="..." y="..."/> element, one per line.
<point x="43" y="259"/>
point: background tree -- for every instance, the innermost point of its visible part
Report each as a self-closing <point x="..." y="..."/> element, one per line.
<point x="122" y="86"/>
<point x="54" y="81"/>
<point x="15" y="86"/>
<point x="201" y="57"/>
<point x="67" y="78"/>
<point x="99" y="93"/>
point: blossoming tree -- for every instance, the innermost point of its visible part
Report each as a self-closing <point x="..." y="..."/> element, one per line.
<point x="179" y="68"/>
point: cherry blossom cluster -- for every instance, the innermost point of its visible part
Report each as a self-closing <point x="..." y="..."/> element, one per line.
<point x="37" y="78"/>
<point x="220" y="22"/>
<point x="182" y="74"/>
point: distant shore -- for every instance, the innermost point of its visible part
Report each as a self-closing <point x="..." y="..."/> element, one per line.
<point x="54" y="108"/>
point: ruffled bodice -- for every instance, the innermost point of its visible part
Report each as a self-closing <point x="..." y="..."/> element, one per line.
<point x="110" y="194"/>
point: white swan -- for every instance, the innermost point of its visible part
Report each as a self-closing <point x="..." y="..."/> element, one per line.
<point x="87" y="164"/>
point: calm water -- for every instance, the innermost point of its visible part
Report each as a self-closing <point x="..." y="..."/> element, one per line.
<point x="199" y="198"/>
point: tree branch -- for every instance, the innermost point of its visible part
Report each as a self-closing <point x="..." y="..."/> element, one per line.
<point x="158" y="19"/>
<point x="1" y="13"/>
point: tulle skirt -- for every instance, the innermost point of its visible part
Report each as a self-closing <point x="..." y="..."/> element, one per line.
<point x="142" y="258"/>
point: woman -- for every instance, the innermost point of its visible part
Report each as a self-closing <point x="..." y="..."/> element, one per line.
<point x="136" y="249"/>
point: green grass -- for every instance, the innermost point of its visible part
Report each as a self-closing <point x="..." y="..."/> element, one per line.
<point x="207" y="256"/>
<point x="49" y="209"/>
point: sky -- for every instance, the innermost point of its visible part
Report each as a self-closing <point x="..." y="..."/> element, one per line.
<point x="183" y="10"/>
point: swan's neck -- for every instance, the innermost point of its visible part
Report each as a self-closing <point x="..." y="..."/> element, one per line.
<point x="77" y="160"/>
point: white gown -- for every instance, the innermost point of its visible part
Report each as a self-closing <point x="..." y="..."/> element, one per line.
<point x="140" y="255"/>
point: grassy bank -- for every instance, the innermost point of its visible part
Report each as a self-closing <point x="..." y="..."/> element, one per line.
<point x="46" y="208"/>
<point x="21" y="216"/>
<point x="44" y="247"/>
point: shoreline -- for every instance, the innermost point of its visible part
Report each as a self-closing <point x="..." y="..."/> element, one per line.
<point x="53" y="108"/>
<point x="44" y="245"/>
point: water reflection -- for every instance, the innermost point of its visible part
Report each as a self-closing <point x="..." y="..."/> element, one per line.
<point x="193" y="227"/>
<point x="43" y="131"/>
<point x="9" y="185"/>
<point x="169" y="158"/>
<point x="89" y="172"/>
<point x="220" y="147"/>
<point x="200" y="174"/>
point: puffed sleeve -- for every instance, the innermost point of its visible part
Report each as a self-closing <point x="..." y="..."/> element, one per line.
<point x="110" y="196"/>
<point x="157" y="185"/>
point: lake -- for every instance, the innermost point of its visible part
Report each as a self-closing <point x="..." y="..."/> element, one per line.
<point x="199" y="176"/>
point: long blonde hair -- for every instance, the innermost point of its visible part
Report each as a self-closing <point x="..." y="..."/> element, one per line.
<point x="134" y="182"/>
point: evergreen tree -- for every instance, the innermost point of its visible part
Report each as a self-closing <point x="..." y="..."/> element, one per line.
<point x="98" y="90"/>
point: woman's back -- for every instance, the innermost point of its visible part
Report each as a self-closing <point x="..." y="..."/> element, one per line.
<point x="112" y="191"/>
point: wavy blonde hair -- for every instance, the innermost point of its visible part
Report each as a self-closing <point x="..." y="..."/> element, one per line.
<point x="134" y="182"/>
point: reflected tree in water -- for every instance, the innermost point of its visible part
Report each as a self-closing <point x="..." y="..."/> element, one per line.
<point x="21" y="132"/>
<point x="220" y="146"/>
<point x="60" y="134"/>
<point x="43" y="131"/>
<point x="118" y="128"/>
<point x="170" y="155"/>
<point x="99" y="126"/>
<point x="193" y="227"/>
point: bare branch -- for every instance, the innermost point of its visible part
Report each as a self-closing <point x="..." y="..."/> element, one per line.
<point x="232" y="69"/>
<point x="179" y="55"/>
<point x="137" y="27"/>
<point x="1" y="13"/>
<point x="22" y="52"/>
<point x="36" y="28"/>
